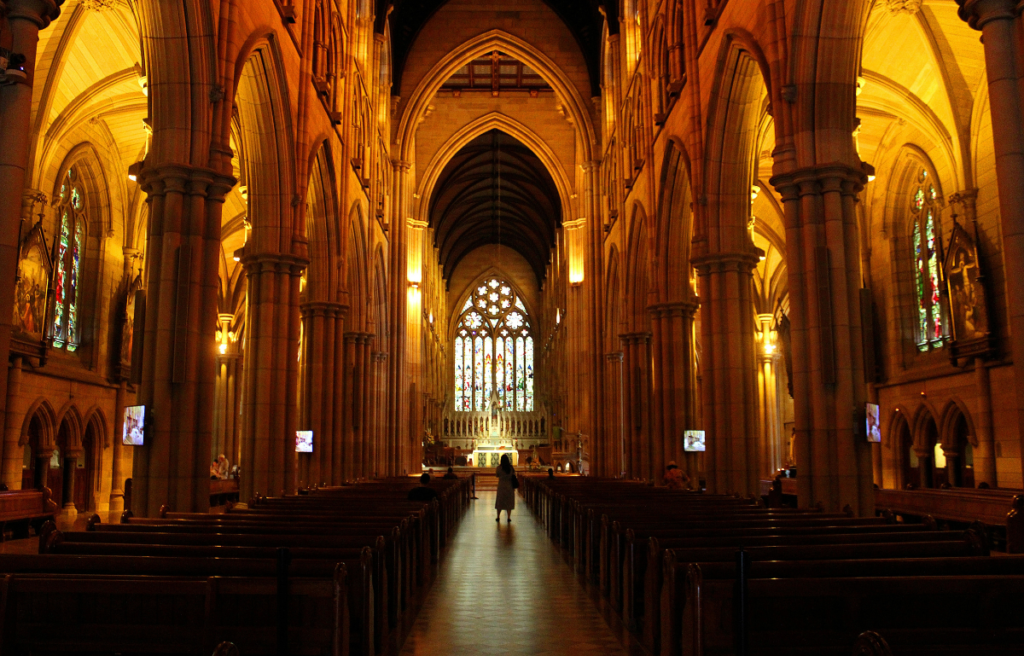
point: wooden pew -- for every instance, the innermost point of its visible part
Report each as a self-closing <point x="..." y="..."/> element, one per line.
<point x="75" y="614"/>
<point x="391" y="566"/>
<point x="24" y="508"/>
<point x="824" y="615"/>
<point x="642" y="575"/>
<point x="996" y="508"/>
<point x="376" y="594"/>
<point x="223" y="491"/>
<point x="803" y="562"/>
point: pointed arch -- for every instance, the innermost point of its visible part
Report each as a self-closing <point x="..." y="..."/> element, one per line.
<point x="96" y="419"/>
<point x="613" y="302"/>
<point x="955" y="410"/>
<point x="71" y="417"/>
<point x="322" y="229"/>
<point x="740" y="98"/>
<point x="357" y="266"/>
<point x="479" y="46"/>
<point x="40" y="411"/>
<point x="675" y="225"/>
<point x="638" y="274"/>
<point x="267" y="136"/>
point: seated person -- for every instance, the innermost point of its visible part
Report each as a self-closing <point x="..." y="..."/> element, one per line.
<point x="424" y="492"/>
<point x="214" y="471"/>
<point x="451" y="475"/>
<point x="675" y="479"/>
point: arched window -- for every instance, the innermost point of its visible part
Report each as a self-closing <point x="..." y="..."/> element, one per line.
<point x="494" y="350"/>
<point x="931" y="329"/>
<point x="69" y="250"/>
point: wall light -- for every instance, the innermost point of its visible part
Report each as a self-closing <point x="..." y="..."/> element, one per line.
<point x="134" y="171"/>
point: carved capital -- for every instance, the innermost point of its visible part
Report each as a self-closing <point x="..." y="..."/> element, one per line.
<point x="742" y="262"/>
<point x="978" y="13"/>
<point x="40" y="12"/>
<point x="185" y="179"/>
<point x="615" y="358"/>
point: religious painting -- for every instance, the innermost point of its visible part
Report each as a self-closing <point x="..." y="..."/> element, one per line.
<point x="966" y="290"/>
<point x="30" y="289"/>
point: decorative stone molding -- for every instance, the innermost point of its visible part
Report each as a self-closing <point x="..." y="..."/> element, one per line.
<point x="904" y="6"/>
<point x="98" y="5"/>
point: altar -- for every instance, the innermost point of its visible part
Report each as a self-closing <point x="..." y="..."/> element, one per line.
<point x="490" y="456"/>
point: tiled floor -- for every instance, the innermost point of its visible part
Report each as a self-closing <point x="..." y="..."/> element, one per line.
<point x="505" y="589"/>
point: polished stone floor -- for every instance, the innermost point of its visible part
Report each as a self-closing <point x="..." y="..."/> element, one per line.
<point x="505" y="589"/>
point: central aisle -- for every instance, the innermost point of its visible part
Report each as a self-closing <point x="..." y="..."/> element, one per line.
<point x="504" y="589"/>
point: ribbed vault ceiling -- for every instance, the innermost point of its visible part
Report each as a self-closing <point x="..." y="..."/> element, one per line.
<point x="495" y="190"/>
<point x="582" y="17"/>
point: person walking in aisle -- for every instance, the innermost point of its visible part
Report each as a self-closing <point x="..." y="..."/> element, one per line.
<point x="506" y="488"/>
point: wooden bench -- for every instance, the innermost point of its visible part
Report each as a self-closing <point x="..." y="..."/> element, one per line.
<point x="22" y="509"/>
<point x="78" y="614"/>
<point x="1003" y="509"/>
<point x="223" y="491"/>
<point x="824" y="615"/>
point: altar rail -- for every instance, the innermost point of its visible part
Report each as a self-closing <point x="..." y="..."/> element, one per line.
<point x="513" y="425"/>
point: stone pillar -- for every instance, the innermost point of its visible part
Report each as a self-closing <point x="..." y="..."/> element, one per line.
<point x="271" y="374"/>
<point x="70" y="465"/>
<point x="13" y="453"/>
<point x="117" y="476"/>
<point x="729" y="374"/>
<point x="772" y="449"/>
<point x="675" y="390"/>
<point x="614" y="449"/>
<point x="24" y="20"/>
<point x="321" y="323"/>
<point x="637" y="369"/>
<point x="350" y="408"/>
<point x="179" y="357"/>
<point x="1000" y="23"/>
<point x="834" y="465"/>
<point x="985" y="453"/>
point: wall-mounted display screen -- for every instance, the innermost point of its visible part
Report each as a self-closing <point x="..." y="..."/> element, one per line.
<point x="693" y="441"/>
<point x="874" y="425"/>
<point x="134" y="426"/>
<point x="304" y="441"/>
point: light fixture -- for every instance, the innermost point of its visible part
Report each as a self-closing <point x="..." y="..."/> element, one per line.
<point x="134" y="171"/>
<point x="755" y="191"/>
<point x="869" y="170"/>
<point x="769" y="349"/>
<point x="238" y="254"/>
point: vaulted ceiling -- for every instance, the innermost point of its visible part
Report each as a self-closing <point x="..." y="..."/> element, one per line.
<point x="495" y="190"/>
<point x="582" y="17"/>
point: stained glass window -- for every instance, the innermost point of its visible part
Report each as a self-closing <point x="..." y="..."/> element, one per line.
<point x="67" y="273"/>
<point x="931" y="329"/>
<point x="494" y="349"/>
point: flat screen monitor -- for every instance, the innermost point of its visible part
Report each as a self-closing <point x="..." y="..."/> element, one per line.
<point x="874" y="426"/>
<point x="134" y="426"/>
<point x="304" y="441"/>
<point x="693" y="441"/>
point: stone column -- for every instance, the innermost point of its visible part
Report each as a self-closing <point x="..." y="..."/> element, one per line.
<point x="985" y="453"/>
<point x="675" y="391"/>
<point x="179" y="357"/>
<point x="834" y="464"/>
<point x="24" y="20"/>
<point x="350" y="407"/>
<point x="271" y="374"/>
<point x="730" y="373"/>
<point x="117" y="476"/>
<point x="614" y="449"/>
<point x="768" y="391"/>
<point x="1000" y="25"/>
<point x="320" y="324"/>
<point x="13" y="454"/>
